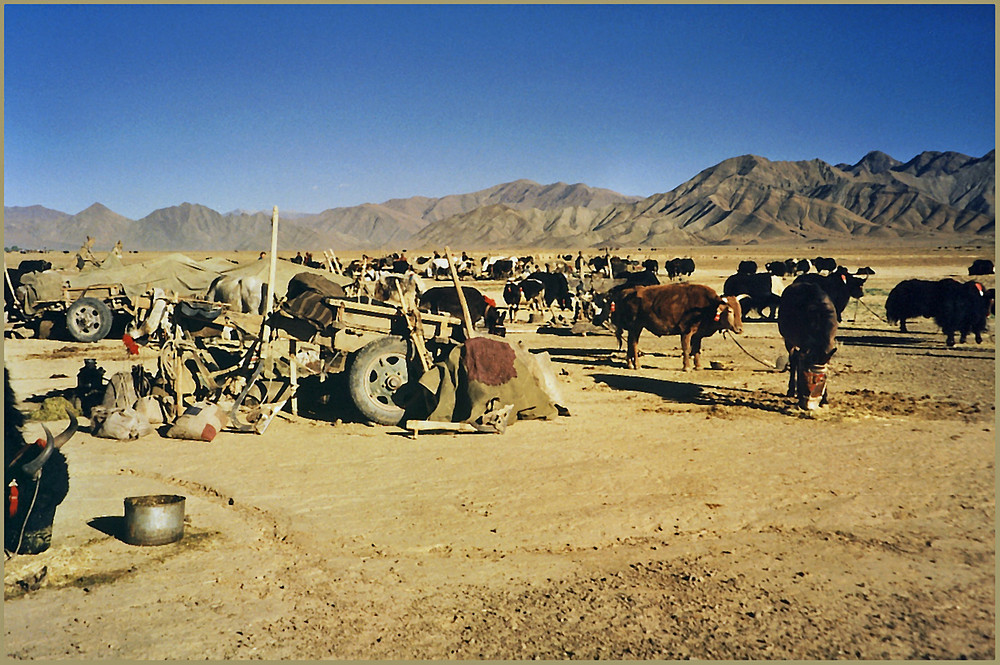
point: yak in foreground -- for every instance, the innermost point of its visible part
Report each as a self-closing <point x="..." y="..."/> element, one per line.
<point x="693" y="311"/>
<point x="37" y="479"/>
<point x="807" y="322"/>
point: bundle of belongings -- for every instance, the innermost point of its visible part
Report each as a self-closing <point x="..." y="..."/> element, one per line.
<point x="129" y="409"/>
<point x="484" y="375"/>
<point x="135" y="401"/>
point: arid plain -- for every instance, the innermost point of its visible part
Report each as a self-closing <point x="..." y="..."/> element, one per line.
<point x="671" y="515"/>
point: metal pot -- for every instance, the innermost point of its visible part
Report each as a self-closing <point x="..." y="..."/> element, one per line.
<point x="155" y="519"/>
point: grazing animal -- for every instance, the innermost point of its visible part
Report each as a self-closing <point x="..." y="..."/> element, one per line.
<point x="499" y="267"/>
<point x="777" y="268"/>
<point x="600" y="264"/>
<point x="388" y="286"/>
<point x="603" y="305"/>
<point x="556" y="288"/>
<point x="956" y="308"/>
<point x="437" y="267"/>
<point x="911" y="299"/>
<point x="746" y="268"/>
<point x="981" y="267"/>
<point x="245" y="294"/>
<point x="444" y="300"/>
<point x="839" y="285"/>
<point x="693" y="311"/>
<point x="678" y="267"/>
<point x="962" y="309"/>
<point x="529" y="293"/>
<point x="762" y="291"/>
<point x="807" y="322"/>
<point x="651" y="265"/>
<point x="824" y="264"/>
<point x="37" y="479"/>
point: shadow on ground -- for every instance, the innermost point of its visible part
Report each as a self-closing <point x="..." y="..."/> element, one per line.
<point x="698" y="394"/>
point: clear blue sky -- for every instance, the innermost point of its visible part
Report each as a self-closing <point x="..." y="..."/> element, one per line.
<point x="312" y="107"/>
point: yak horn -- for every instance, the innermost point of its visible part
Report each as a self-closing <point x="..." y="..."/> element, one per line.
<point x="68" y="433"/>
<point x="34" y="467"/>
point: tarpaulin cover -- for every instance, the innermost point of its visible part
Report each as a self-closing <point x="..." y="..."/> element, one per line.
<point x="461" y="386"/>
<point x="174" y="273"/>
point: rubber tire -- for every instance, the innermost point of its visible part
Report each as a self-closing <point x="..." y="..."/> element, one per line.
<point x="372" y="366"/>
<point x="88" y="320"/>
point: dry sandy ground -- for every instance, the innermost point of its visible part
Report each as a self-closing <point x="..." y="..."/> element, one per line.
<point x="672" y="515"/>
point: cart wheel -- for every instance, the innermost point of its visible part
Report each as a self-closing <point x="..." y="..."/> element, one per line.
<point x="88" y="320"/>
<point x="377" y="380"/>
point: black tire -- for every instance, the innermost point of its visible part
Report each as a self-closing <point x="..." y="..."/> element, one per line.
<point x="378" y="377"/>
<point x="88" y="320"/>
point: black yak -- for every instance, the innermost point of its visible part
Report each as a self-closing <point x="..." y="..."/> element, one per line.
<point x="807" y="322"/>
<point x="37" y="479"/>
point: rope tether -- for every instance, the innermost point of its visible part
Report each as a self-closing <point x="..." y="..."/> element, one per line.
<point x="732" y="337"/>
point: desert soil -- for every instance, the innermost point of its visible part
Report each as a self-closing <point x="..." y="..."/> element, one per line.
<point x="671" y="515"/>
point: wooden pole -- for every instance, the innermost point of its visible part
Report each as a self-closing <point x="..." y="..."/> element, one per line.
<point x="461" y="295"/>
<point x="293" y="371"/>
<point x="271" y="275"/>
<point x="416" y="328"/>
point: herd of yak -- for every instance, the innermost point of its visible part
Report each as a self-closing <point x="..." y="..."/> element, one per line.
<point x="608" y="291"/>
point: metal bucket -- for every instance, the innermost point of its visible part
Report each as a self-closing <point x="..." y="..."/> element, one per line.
<point x="812" y="386"/>
<point x="155" y="519"/>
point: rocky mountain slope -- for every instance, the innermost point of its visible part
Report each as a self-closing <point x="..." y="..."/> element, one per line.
<point x="751" y="199"/>
<point x="744" y="199"/>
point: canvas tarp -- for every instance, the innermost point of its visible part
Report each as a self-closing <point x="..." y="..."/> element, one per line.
<point x="174" y="273"/>
<point x="471" y="375"/>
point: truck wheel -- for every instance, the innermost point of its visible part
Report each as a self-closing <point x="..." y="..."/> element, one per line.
<point x="88" y="320"/>
<point x="377" y="380"/>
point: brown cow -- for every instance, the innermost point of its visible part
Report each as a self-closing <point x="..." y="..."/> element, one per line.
<point x="692" y="311"/>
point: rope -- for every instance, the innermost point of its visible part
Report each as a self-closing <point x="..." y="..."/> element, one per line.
<point x="870" y="310"/>
<point x="766" y="364"/>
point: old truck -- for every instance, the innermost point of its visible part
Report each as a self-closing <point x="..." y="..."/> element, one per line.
<point x="42" y="301"/>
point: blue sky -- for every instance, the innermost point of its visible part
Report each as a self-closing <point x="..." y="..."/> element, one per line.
<point x="312" y="107"/>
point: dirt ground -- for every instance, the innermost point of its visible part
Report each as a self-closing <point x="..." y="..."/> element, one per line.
<point x="671" y="515"/>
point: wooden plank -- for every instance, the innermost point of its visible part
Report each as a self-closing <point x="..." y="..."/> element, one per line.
<point x="417" y="426"/>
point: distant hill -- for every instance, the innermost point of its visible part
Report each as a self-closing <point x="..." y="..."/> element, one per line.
<point x="751" y="199"/>
<point x="740" y="200"/>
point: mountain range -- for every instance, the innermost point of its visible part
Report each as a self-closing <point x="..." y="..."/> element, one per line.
<point x="746" y="199"/>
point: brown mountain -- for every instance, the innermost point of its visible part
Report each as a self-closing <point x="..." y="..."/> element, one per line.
<point x="189" y="226"/>
<point x="39" y="227"/>
<point x="393" y="223"/>
<point x="740" y="200"/>
<point x="751" y="199"/>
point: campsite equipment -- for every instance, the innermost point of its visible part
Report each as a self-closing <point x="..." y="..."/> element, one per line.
<point x="90" y="385"/>
<point x="154" y="519"/>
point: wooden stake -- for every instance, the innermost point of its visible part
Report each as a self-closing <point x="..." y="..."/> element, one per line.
<point x="271" y="276"/>
<point x="461" y="295"/>
<point x="416" y="328"/>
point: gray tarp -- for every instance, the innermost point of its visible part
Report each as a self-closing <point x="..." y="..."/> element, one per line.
<point x="174" y="273"/>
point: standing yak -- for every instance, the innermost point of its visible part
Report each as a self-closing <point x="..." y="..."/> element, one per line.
<point x="807" y="322"/>
<point x="37" y="479"/>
